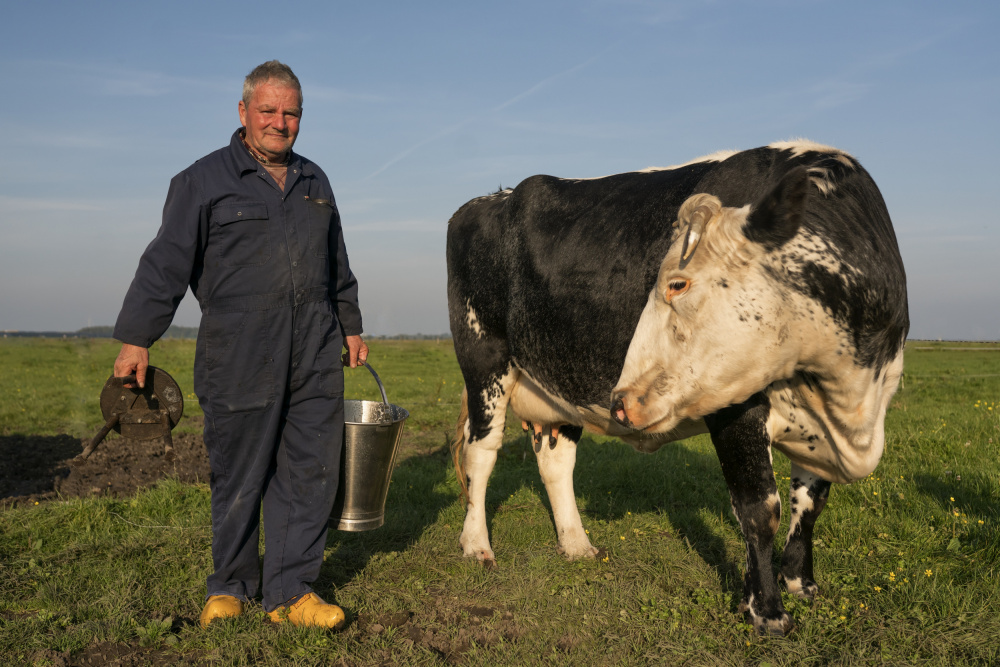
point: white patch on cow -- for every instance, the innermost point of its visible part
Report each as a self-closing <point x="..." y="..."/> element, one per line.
<point x="755" y="332"/>
<point x="717" y="156"/>
<point x="472" y="320"/>
<point x="821" y="178"/>
<point x="480" y="456"/>
<point x="834" y="426"/>
<point x="740" y="314"/>
<point x="807" y="248"/>
<point x="532" y="403"/>
<point x="499" y="194"/>
<point x="802" y="146"/>
<point x="556" y="461"/>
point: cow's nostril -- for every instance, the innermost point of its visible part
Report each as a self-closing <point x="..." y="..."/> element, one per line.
<point x="618" y="410"/>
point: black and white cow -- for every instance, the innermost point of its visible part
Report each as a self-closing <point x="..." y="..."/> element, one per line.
<point x="758" y="296"/>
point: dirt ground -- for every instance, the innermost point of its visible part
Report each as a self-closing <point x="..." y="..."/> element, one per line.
<point x="40" y="467"/>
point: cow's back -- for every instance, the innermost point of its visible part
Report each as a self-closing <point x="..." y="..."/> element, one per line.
<point x="555" y="273"/>
<point x="560" y="269"/>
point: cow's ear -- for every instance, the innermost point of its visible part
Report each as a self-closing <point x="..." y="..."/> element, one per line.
<point x="775" y="219"/>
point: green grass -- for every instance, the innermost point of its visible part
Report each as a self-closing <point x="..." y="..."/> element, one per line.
<point x="906" y="559"/>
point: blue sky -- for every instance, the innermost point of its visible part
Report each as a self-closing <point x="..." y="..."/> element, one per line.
<point x="413" y="108"/>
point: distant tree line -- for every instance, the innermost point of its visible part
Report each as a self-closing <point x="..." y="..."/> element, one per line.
<point x="173" y="331"/>
<point x="178" y="332"/>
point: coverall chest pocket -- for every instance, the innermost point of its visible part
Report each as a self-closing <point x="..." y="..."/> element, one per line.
<point x="243" y="236"/>
<point x="320" y="215"/>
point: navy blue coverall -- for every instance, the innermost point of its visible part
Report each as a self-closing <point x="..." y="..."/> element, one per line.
<point x="277" y="296"/>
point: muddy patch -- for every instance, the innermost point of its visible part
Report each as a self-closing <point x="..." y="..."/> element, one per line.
<point x="34" y="468"/>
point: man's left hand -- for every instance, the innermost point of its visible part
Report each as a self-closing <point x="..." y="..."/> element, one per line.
<point x="357" y="351"/>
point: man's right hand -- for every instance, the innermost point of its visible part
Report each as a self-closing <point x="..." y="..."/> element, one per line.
<point x="132" y="359"/>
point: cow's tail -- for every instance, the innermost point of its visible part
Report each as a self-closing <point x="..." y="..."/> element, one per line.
<point x="458" y="447"/>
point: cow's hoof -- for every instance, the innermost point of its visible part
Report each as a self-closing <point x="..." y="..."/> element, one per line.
<point x="576" y="553"/>
<point x="780" y="626"/>
<point x="801" y="587"/>
<point x="485" y="557"/>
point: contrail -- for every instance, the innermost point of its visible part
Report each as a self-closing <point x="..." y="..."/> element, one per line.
<point x="457" y="126"/>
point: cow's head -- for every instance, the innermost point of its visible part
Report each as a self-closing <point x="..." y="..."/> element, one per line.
<point x="718" y="326"/>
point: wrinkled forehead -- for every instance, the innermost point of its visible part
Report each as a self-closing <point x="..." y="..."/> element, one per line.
<point x="275" y="92"/>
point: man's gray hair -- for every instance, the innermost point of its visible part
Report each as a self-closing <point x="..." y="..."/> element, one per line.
<point x="272" y="70"/>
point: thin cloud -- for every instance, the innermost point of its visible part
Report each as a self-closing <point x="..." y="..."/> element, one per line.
<point x="423" y="226"/>
<point x="339" y="95"/>
<point x="18" y="204"/>
<point x="118" y="81"/>
<point x="544" y="83"/>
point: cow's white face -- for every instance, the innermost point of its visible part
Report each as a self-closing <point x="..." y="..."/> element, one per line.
<point x="718" y="327"/>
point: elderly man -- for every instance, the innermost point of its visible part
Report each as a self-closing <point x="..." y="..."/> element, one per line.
<point x="254" y="230"/>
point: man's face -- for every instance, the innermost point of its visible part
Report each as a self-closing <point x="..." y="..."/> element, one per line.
<point x="272" y="119"/>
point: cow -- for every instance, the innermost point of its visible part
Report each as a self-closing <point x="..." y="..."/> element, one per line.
<point x="758" y="296"/>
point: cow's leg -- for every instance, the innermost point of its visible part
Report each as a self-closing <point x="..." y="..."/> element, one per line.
<point x="807" y="495"/>
<point x="741" y="440"/>
<point x="484" y="428"/>
<point x="556" y="459"/>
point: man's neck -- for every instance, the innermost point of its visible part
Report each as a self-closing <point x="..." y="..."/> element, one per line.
<point x="264" y="160"/>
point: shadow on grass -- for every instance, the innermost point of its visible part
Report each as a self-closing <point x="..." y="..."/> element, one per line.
<point x="974" y="493"/>
<point x="415" y="501"/>
<point x="611" y="479"/>
<point x="30" y="463"/>
<point x="971" y="500"/>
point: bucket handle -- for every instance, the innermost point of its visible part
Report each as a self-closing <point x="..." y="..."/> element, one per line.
<point x="377" y="381"/>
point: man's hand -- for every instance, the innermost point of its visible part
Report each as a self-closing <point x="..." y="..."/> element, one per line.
<point x="133" y="359"/>
<point x="357" y="351"/>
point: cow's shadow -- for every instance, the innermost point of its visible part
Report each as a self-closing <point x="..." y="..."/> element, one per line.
<point x="970" y="499"/>
<point x="611" y="480"/>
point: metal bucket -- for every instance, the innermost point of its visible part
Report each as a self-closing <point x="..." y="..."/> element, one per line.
<point x="371" y="438"/>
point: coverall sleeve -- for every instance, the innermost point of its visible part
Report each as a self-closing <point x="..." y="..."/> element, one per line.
<point x="165" y="268"/>
<point x="343" y="284"/>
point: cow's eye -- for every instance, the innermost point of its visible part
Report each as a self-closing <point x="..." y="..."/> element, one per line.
<point x="676" y="287"/>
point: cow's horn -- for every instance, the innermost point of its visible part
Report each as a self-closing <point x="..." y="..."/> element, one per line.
<point x="696" y="224"/>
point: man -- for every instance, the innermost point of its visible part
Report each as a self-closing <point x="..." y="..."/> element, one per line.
<point x="254" y="230"/>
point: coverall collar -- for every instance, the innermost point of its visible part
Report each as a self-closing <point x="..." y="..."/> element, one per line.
<point x="246" y="162"/>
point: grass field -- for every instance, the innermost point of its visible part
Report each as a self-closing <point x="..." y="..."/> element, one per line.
<point x="907" y="559"/>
